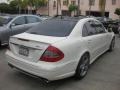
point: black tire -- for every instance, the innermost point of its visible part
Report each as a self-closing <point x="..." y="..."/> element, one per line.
<point x="0" y="43"/>
<point x="112" y="45"/>
<point x="82" y="67"/>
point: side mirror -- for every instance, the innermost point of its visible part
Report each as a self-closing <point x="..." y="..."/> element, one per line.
<point x="12" y="25"/>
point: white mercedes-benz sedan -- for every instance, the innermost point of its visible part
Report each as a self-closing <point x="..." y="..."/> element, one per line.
<point x="60" y="48"/>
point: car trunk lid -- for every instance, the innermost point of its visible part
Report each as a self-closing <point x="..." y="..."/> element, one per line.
<point x="31" y="47"/>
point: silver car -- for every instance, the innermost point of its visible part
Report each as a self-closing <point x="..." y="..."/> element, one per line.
<point x="16" y="24"/>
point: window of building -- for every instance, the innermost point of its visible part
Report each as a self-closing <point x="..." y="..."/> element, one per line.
<point x="92" y="2"/>
<point x="65" y="2"/>
<point x="73" y="2"/>
<point x="113" y="2"/>
<point x="54" y="3"/>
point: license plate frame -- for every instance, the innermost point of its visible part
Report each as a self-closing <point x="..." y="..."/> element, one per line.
<point x="24" y="51"/>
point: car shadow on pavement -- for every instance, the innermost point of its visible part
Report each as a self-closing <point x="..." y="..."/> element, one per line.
<point x="38" y="83"/>
<point x="3" y="47"/>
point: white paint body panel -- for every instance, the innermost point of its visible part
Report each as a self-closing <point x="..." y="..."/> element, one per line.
<point x="73" y="47"/>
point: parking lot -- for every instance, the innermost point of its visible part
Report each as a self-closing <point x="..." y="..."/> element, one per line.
<point x="104" y="74"/>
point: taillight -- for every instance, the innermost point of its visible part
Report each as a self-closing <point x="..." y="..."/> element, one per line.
<point x="52" y="54"/>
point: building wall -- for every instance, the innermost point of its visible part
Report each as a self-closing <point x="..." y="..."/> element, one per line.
<point x="84" y="6"/>
<point x="109" y="7"/>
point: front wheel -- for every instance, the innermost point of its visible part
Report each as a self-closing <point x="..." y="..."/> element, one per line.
<point x="83" y="66"/>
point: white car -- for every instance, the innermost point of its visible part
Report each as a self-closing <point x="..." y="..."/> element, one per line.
<point x="60" y="48"/>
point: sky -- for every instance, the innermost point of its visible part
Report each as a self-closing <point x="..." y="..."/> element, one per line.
<point x="3" y="1"/>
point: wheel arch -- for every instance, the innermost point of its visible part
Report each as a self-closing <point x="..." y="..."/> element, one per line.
<point x="0" y="43"/>
<point x="85" y="52"/>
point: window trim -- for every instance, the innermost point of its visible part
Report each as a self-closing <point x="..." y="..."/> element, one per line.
<point x="18" y="18"/>
<point x="101" y="27"/>
<point x="86" y="30"/>
<point x="95" y="28"/>
<point x="31" y="16"/>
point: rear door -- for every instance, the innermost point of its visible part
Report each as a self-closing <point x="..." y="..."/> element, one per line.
<point x="91" y="39"/>
<point x="18" y="25"/>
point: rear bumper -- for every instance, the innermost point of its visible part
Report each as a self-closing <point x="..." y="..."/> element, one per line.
<point x="42" y="79"/>
<point x="45" y="70"/>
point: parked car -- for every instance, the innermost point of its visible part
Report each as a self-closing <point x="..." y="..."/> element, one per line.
<point x="105" y="21"/>
<point x="16" y="24"/>
<point x="119" y="29"/>
<point x="115" y="26"/>
<point x="109" y="23"/>
<point x="45" y="17"/>
<point x="60" y="48"/>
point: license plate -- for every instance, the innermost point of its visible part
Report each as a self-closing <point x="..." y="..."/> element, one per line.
<point x="23" y="51"/>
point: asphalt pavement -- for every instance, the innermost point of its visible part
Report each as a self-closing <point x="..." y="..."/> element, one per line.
<point x="104" y="74"/>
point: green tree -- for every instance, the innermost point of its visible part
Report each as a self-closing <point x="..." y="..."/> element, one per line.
<point x="18" y="3"/>
<point x="4" y="7"/>
<point x="72" y="8"/>
<point x="40" y="3"/>
<point x="78" y="9"/>
<point x="24" y="4"/>
<point x="117" y="12"/>
<point x="102" y="4"/>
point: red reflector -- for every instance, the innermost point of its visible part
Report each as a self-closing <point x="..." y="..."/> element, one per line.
<point x="52" y="54"/>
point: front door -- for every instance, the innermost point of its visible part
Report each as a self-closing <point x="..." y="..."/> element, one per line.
<point x="18" y="26"/>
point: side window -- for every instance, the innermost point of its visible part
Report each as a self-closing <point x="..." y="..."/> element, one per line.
<point x="99" y="28"/>
<point x="31" y="19"/>
<point x="19" y="21"/>
<point x="91" y="30"/>
<point x="84" y="31"/>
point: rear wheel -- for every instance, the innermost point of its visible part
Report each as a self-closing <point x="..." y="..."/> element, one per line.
<point x="83" y="66"/>
<point x="112" y="45"/>
<point x="0" y="43"/>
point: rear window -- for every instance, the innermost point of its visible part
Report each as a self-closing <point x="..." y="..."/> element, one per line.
<point x="57" y="28"/>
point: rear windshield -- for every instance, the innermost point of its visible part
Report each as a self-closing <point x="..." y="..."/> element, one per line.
<point x="57" y="28"/>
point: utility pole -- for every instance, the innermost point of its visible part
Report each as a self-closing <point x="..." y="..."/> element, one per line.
<point x="57" y="6"/>
<point x="89" y="8"/>
<point x="78" y="9"/>
<point x="19" y="9"/>
<point x="48" y="7"/>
